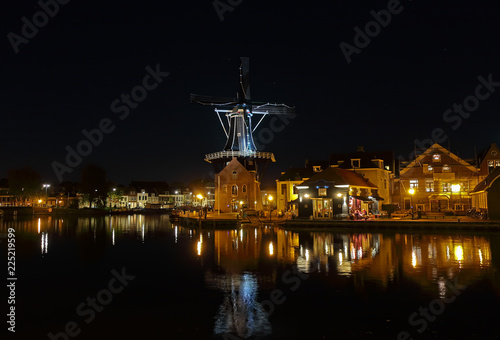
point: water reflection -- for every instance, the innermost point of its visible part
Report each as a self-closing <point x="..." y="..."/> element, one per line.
<point x="429" y="260"/>
<point x="242" y="266"/>
<point x="109" y="228"/>
<point x="240" y="313"/>
<point x="44" y="242"/>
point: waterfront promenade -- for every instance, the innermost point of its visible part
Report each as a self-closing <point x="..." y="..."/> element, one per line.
<point x="448" y="222"/>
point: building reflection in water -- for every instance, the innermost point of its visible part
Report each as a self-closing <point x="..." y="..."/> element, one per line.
<point x="428" y="260"/>
<point x="243" y="263"/>
<point x="240" y="313"/>
<point x="231" y="258"/>
<point x="107" y="228"/>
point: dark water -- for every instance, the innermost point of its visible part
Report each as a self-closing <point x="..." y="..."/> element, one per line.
<point x="180" y="283"/>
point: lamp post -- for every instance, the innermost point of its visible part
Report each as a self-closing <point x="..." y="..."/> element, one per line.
<point x="112" y="198"/>
<point x="454" y="188"/>
<point x="46" y="186"/>
<point x="200" y="197"/>
<point x="339" y="195"/>
<point x="270" y="199"/>
<point x="411" y="192"/>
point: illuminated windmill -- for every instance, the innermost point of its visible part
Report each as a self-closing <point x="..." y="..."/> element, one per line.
<point x="240" y="144"/>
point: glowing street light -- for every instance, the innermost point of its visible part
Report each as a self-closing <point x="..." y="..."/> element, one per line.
<point x="46" y="186"/>
<point x="456" y="188"/>
<point x="270" y="199"/>
<point x="411" y="192"/>
<point x="200" y="197"/>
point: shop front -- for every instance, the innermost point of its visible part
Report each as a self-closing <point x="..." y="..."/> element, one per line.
<point x="322" y="207"/>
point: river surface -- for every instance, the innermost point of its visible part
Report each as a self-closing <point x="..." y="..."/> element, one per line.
<point x="125" y="277"/>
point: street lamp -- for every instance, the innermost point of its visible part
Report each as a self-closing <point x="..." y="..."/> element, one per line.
<point x="200" y="197"/>
<point x="270" y="199"/>
<point x="112" y="198"/>
<point x="454" y="188"/>
<point x="411" y="192"/>
<point x="46" y="186"/>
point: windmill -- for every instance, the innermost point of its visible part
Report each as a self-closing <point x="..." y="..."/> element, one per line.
<point x="239" y="129"/>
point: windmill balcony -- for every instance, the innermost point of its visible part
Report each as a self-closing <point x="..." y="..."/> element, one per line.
<point x="229" y="154"/>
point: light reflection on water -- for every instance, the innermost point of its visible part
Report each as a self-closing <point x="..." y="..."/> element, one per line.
<point x="428" y="260"/>
<point x="243" y="265"/>
<point x="423" y="257"/>
<point x="240" y="312"/>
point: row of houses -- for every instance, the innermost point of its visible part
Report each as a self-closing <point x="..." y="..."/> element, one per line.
<point x="138" y="195"/>
<point x="157" y="195"/>
<point x="437" y="180"/>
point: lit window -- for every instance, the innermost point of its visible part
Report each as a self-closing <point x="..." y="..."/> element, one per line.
<point x="436" y="157"/>
<point x="430" y="168"/>
<point x="387" y="167"/>
<point x="235" y="175"/>
<point x="234" y="190"/>
<point x="497" y="163"/>
<point x="429" y="185"/>
<point x="317" y="168"/>
<point x="322" y="192"/>
<point x="446" y="168"/>
<point x="446" y="187"/>
<point x="414" y="184"/>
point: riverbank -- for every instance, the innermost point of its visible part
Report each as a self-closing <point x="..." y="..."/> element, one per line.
<point x="27" y="211"/>
<point x="384" y="224"/>
<point x="232" y="220"/>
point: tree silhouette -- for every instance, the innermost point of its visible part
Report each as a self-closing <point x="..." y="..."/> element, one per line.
<point x="24" y="183"/>
<point x="93" y="185"/>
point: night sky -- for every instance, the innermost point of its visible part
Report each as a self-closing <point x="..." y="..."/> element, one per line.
<point x="395" y="90"/>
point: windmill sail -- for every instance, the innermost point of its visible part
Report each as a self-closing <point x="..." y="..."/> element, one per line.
<point x="239" y="112"/>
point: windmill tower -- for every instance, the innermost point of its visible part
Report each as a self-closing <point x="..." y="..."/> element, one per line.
<point x="239" y="167"/>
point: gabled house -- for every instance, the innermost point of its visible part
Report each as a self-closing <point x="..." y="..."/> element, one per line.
<point x="489" y="161"/>
<point x="286" y="184"/>
<point x="236" y="188"/>
<point x="336" y="192"/>
<point x="378" y="167"/>
<point x="439" y="180"/>
<point x="486" y="195"/>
